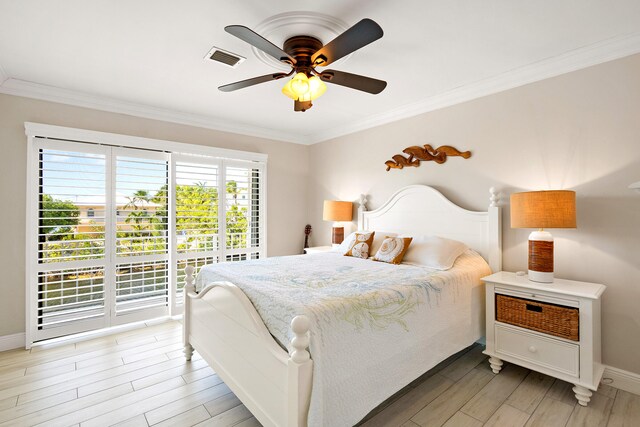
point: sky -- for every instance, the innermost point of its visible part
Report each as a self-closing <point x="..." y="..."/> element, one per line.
<point x="80" y="177"/>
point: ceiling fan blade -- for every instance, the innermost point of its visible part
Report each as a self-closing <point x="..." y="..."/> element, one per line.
<point x="250" y="82"/>
<point x="360" y="35"/>
<point x="354" y="81"/>
<point x="256" y="40"/>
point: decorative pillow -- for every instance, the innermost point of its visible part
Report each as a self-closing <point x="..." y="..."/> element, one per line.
<point x="378" y="239"/>
<point x="393" y="249"/>
<point x="346" y="244"/>
<point x="434" y="252"/>
<point x="361" y="245"/>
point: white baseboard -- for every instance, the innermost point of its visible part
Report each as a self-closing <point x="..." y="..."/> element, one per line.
<point x="624" y="380"/>
<point x="10" y="342"/>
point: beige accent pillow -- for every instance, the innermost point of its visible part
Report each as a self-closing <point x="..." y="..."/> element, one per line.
<point x="361" y="245"/>
<point x="393" y="249"/>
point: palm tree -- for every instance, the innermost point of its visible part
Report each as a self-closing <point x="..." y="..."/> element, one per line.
<point x="139" y="198"/>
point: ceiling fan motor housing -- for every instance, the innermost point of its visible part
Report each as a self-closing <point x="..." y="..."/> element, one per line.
<point x="302" y="48"/>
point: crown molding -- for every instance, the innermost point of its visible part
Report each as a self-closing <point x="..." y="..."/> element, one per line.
<point x="587" y="56"/>
<point x="26" y="89"/>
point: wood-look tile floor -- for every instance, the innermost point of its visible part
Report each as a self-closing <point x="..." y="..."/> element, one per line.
<point x="140" y="378"/>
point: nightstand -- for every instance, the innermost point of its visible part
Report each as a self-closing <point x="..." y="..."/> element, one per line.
<point x="552" y="328"/>
<point x="317" y="249"/>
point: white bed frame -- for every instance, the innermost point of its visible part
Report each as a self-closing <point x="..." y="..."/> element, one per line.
<point x="223" y="326"/>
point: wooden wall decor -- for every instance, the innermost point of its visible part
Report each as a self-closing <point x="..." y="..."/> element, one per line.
<point x="425" y="153"/>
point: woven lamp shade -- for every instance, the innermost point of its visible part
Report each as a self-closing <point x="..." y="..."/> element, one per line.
<point x="543" y="209"/>
<point x="335" y="210"/>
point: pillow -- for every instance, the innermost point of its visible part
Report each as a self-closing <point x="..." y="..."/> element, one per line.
<point x="346" y="244"/>
<point x="361" y="245"/>
<point x="434" y="252"/>
<point x="393" y="249"/>
<point x="378" y="239"/>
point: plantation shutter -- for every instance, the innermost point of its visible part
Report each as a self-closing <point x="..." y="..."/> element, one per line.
<point x="111" y="228"/>
<point x="244" y="211"/>
<point x="196" y="215"/>
<point x="69" y="282"/>
<point x="141" y="229"/>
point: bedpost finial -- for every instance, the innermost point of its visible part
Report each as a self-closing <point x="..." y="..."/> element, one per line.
<point x="300" y="327"/>
<point x="363" y="203"/>
<point x="189" y="279"/>
<point x="494" y="198"/>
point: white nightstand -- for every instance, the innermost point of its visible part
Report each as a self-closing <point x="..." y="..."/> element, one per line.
<point x="317" y="250"/>
<point x="574" y="358"/>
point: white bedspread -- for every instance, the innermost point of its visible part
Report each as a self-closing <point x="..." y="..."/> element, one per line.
<point x="375" y="327"/>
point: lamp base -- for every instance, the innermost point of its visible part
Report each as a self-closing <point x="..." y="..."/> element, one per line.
<point x="540" y="277"/>
<point x="541" y="257"/>
<point x="337" y="235"/>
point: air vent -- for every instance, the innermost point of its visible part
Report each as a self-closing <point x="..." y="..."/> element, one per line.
<point x="224" y="57"/>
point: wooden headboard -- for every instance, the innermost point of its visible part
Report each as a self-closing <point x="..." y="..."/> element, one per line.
<point x="420" y="209"/>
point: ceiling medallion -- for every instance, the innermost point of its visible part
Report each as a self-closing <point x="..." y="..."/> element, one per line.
<point x="279" y="28"/>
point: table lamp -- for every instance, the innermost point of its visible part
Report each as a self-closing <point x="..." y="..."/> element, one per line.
<point x="337" y="211"/>
<point x="542" y="209"/>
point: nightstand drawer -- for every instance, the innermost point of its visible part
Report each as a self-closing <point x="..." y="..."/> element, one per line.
<point x="535" y="348"/>
<point x="548" y="318"/>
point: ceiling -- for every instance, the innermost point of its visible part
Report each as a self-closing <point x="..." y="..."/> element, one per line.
<point x="145" y="57"/>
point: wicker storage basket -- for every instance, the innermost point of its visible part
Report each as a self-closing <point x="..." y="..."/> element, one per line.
<point x="543" y="317"/>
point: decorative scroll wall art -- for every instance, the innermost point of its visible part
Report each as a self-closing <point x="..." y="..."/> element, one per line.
<point x="425" y="153"/>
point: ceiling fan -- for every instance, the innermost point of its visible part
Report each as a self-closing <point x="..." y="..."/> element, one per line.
<point x="304" y="54"/>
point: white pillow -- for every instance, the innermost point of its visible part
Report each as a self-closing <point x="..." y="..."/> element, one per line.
<point x="433" y="252"/>
<point x="346" y="244"/>
<point x="377" y="241"/>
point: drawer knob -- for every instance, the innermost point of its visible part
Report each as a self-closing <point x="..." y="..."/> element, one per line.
<point x="532" y="349"/>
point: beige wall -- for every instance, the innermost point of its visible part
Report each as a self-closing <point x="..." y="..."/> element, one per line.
<point x="579" y="131"/>
<point x="287" y="175"/>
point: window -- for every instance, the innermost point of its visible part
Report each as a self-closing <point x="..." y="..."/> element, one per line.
<point x="148" y="214"/>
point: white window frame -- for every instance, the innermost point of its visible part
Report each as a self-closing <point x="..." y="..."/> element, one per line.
<point x="49" y="134"/>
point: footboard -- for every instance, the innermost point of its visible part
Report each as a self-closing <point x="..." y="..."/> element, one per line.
<point x="223" y="326"/>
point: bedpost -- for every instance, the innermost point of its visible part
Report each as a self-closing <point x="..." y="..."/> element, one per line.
<point x="186" y="316"/>
<point x="495" y="231"/>
<point x="300" y="373"/>
<point x="362" y="208"/>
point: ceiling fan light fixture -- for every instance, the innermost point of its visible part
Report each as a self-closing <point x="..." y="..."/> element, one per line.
<point x="316" y="88"/>
<point x="302" y="88"/>
<point x="289" y="92"/>
<point x="300" y="84"/>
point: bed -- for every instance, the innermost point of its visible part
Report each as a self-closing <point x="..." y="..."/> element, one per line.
<point x="322" y="339"/>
